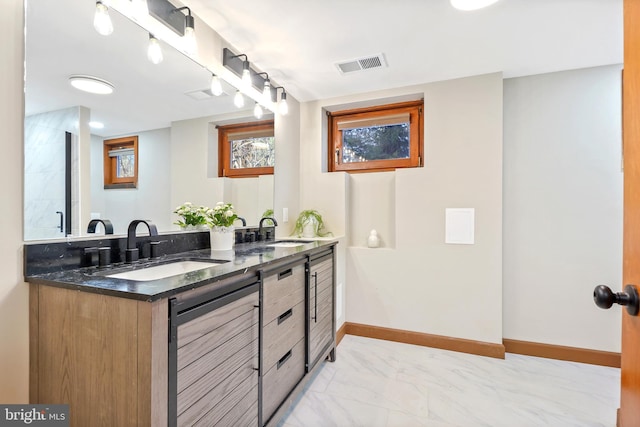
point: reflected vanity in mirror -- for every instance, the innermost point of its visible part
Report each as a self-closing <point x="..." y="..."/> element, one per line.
<point x="166" y="105"/>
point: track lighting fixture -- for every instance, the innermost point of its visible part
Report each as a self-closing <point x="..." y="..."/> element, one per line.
<point x="246" y="73"/>
<point x="239" y="65"/>
<point x="216" y="85"/>
<point x="154" y="51"/>
<point x="266" y="89"/>
<point x="283" y="107"/>
<point x="190" y="42"/>
<point x="101" y="19"/>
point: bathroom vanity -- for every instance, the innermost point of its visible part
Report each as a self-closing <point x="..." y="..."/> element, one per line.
<point x="190" y="337"/>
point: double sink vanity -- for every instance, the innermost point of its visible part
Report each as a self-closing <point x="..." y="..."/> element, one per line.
<point x="187" y="337"/>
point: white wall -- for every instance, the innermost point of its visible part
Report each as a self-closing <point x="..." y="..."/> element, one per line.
<point x="417" y="282"/>
<point x="14" y="308"/>
<point x="288" y="169"/>
<point x="251" y="197"/>
<point x="44" y="171"/>
<point x="562" y="206"/>
<point x="151" y="199"/>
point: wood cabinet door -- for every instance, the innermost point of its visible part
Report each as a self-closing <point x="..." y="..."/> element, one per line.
<point x="213" y="361"/>
<point x="321" y="308"/>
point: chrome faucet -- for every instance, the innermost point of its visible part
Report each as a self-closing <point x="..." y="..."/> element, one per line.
<point x="108" y="227"/>
<point x="260" y="226"/>
<point x="132" y="252"/>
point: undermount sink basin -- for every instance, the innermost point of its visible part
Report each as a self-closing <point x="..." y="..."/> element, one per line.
<point x="289" y="243"/>
<point x="162" y="271"/>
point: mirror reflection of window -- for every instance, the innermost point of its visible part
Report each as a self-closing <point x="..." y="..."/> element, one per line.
<point x="125" y="166"/>
<point x="252" y="151"/>
<point x="120" y="162"/>
<point x="246" y="149"/>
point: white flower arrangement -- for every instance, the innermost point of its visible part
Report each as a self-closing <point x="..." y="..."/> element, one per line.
<point x="222" y="215"/>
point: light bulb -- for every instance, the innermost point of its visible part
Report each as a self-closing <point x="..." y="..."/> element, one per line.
<point x="471" y="4"/>
<point x="101" y="20"/>
<point x="216" y="86"/>
<point x="283" y="107"/>
<point x="190" y="42"/>
<point x="257" y="111"/>
<point x="266" y="92"/>
<point x="154" y="51"/>
<point x="246" y="74"/>
<point x="238" y="99"/>
<point x="140" y="8"/>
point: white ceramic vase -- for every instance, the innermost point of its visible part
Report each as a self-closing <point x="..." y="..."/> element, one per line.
<point x="373" y="241"/>
<point x="200" y="227"/>
<point x="221" y="238"/>
<point x="310" y="228"/>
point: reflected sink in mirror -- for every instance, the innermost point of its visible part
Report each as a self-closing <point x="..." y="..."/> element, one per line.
<point x="289" y="243"/>
<point x="162" y="271"/>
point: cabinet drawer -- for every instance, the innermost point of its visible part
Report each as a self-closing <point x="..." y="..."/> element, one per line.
<point x="278" y="382"/>
<point x="282" y="290"/>
<point x="282" y="333"/>
<point x="203" y="326"/>
<point x="218" y="337"/>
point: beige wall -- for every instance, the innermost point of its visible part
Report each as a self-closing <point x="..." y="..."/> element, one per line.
<point x="287" y="171"/>
<point x="562" y="206"/>
<point x="14" y="331"/>
<point x="417" y="282"/>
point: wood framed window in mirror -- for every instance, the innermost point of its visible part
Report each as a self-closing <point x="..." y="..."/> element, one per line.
<point x="121" y="162"/>
<point x="246" y="149"/>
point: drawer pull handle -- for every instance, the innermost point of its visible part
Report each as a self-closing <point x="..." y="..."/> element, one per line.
<point x="284" y="316"/>
<point x="285" y="274"/>
<point x="315" y="298"/>
<point x="284" y="359"/>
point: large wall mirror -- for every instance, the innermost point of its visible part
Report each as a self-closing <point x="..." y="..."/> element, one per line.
<point x="64" y="164"/>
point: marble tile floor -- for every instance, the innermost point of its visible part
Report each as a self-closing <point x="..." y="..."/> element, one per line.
<point x="381" y="383"/>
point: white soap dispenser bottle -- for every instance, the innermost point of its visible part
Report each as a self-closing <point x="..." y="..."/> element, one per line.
<point x="373" y="241"/>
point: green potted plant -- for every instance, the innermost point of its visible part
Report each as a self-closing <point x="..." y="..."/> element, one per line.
<point x="267" y="214"/>
<point x="310" y="224"/>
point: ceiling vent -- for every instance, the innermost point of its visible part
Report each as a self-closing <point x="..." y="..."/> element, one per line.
<point x="360" y="64"/>
<point x="202" y="94"/>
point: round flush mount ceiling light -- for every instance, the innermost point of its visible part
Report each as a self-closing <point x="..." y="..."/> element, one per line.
<point x="91" y="84"/>
<point x="471" y="4"/>
<point x="96" y="125"/>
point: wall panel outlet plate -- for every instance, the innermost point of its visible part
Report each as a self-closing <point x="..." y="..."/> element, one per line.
<point x="285" y="214"/>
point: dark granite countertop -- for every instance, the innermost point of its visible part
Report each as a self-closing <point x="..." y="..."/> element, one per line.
<point x="244" y="258"/>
